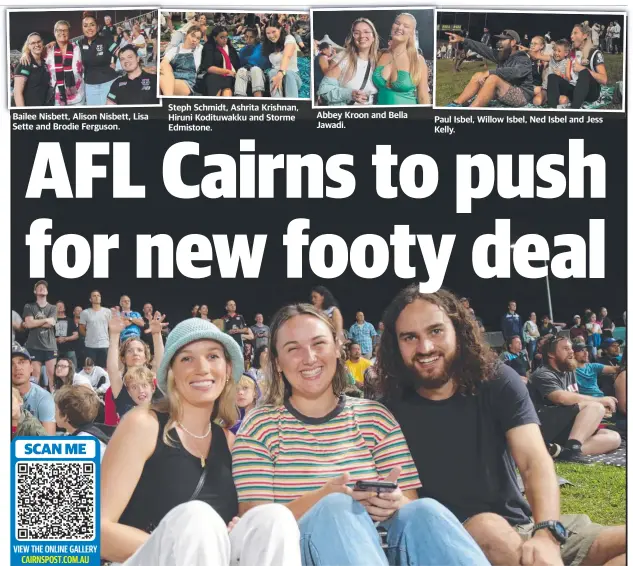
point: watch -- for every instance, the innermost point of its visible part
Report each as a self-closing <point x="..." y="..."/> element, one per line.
<point x="558" y="530"/>
<point x="282" y="72"/>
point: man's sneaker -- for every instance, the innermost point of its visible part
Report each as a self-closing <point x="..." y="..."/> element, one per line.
<point x="554" y="450"/>
<point x="573" y="456"/>
<point x="453" y="105"/>
<point x="563" y="106"/>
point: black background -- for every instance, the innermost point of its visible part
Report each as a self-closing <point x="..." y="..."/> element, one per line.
<point x="363" y="212"/>
<point x="337" y="25"/>
<point x="559" y="25"/>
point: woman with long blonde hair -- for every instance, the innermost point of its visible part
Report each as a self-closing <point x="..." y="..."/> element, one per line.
<point x="588" y="62"/>
<point x="168" y="497"/>
<point x="349" y="77"/>
<point x="401" y="75"/>
<point x="309" y="445"/>
<point x="31" y="80"/>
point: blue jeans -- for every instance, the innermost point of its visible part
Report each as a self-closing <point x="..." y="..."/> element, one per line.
<point x="97" y="95"/>
<point x="338" y="531"/>
<point x="291" y="84"/>
<point x="531" y="349"/>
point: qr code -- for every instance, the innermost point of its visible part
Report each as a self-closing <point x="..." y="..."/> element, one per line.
<point x="55" y="500"/>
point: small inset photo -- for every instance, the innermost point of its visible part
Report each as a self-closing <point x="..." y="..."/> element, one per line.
<point x="530" y="60"/>
<point x="63" y="57"/>
<point x="372" y="57"/>
<point x="241" y="55"/>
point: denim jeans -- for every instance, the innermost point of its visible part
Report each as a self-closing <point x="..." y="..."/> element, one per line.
<point x="97" y="95"/>
<point x="339" y="531"/>
<point x="531" y="349"/>
<point x="291" y="84"/>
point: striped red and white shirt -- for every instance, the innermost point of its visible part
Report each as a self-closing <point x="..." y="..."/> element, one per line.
<point x="280" y="455"/>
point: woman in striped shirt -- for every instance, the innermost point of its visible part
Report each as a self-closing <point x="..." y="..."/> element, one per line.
<point x="309" y="442"/>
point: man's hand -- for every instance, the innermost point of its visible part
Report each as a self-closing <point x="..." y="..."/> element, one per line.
<point x="384" y="505"/>
<point x="454" y="38"/>
<point x="338" y="484"/>
<point x="541" y="550"/>
<point x="609" y="403"/>
<point x="481" y="79"/>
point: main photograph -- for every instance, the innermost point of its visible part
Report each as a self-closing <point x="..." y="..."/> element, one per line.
<point x="256" y="416"/>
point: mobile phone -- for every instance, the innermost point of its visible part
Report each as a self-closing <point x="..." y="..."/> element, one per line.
<point x="377" y="486"/>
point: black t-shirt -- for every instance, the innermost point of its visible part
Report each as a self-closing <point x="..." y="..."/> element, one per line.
<point x="108" y="33"/>
<point x="459" y="446"/>
<point x="236" y="321"/>
<point x="544" y="330"/>
<point x="66" y="327"/>
<point x="37" y="82"/>
<point x="125" y="403"/>
<point x="97" y="57"/>
<point x="141" y="90"/>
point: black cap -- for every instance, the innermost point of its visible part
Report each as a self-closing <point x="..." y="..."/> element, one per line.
<point x="579" y="347"/>
<point x="509" y="34"/>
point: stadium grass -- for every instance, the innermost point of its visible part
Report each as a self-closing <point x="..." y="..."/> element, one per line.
<point x="599" y="491"/>
<point x="449" y="84"/>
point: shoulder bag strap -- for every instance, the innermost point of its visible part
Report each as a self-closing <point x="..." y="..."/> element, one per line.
<point x="203" y="477"/>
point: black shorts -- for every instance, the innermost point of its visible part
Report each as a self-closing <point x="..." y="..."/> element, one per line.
<point x="557" y="422"/>
<point x="43" y="356"/>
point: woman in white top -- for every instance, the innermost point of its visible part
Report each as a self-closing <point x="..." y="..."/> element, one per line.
<point x="349" y="78"/>
<point x="94" y="376"/>
<point x="281" y="49"/>
<point x="180" y="64"/>
<point x="138" y="40"/>
<point x="531" y="335"/>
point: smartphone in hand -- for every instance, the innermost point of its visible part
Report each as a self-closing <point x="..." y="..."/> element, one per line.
<point x="377" y="486"/>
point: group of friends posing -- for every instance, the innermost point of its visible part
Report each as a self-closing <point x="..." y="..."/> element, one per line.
<point x="361" y="73"/>
<point x="179" y="488"/>
<point x="197" y="64"/>
<point x="63" y="73"/>
<point x="561" y="74"/>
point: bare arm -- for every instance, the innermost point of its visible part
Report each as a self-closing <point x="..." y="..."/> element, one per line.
<point x="337" y="320"/>
<point x="156" y="329"/>
<point x="537" y="471"/>
<point x="138" y="321"/>
<point x="248" y="334"/>
<point x="324" y="64"/>
<point x="600" y="74"/>
<point x="30" y="322"/>
<point x="82" y="329"/>
<point x="49" y="427"/>
<point x="569" y="398"/>
<point x="74" y="336"/>
<point x="115" y="327"/>
<point x="19" y="83"/>
<point x="133" y="442"/>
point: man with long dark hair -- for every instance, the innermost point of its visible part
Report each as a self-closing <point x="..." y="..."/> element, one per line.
<point x="468" y="419"/>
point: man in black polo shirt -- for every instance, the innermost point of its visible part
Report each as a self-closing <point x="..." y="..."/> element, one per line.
<point x="31" y="80"/>
<point x="136" y="86"/>
<point x="108" y="31"/>
<point x="468" y="419"/>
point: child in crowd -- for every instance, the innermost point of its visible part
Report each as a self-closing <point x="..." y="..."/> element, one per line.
<point x="76" y="408"/>
<point x="141" y="384"/>
<point x="23" y="423"/>
<point x="248" y="393"/>
<point x="560" y="64"/>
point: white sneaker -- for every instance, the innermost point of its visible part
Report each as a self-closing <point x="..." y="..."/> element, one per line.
<point x="563" y="106"/>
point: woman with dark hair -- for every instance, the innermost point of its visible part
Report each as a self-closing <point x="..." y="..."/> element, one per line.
<point x="203" y="313"/>
<point x="588" y="62"/>
<point x="221" y="61"/>
<point x="323" y="300"/>
<point x="64" y="373"/>
<point x="180" y="64"/>
<point x="307" y="445"/>
<point x="99" y="61"/>
<point x="168" y="495"/>
<point x="281" y="49"/>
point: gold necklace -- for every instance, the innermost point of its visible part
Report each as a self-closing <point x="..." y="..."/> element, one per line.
<point x="203" y="460"/>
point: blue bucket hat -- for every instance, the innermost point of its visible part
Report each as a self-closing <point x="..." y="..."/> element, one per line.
<point x="189" y="331"/>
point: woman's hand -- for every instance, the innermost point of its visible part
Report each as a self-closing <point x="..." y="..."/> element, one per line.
<point x="338" y="484"/>
<point x="359" y="97"/>
<point x="231" y="525"/>
<point x="578" y="66"/>
<point x="229" y="73"/>
<point x="156" y="324"/>
<point x="276" y="82"/>
<point x="117" y="323"/>
<point x="25" y="59"/>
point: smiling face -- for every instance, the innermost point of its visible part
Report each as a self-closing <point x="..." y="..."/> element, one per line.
<point x="560" y="52"/>
<point x="317" y="300"/>
<point x="273" y="33"/>
<point x="200" y="372"/>
<point x="363" y="35"/>
<point x="129" y="61"/>
<point x="582" y="357"/>
<point x="402" y="29"/>
<point x="35" y="45"/>
<point x="564" y="356"/>
<point x="259" y="318"/>
<point x="62" y="33"/>
<point x="89" y="27"/>
<point x="427" y="342"/>
<point x="307" y="356"/>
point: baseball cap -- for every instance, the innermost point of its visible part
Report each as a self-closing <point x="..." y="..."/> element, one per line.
<point x="579" y="347"/>
<point x="18" y="350"/>
<point x="40" y="282"/>
<point x="608" y="341"/>
<point x="509" y="34"/>
<point x="577" y="316"/>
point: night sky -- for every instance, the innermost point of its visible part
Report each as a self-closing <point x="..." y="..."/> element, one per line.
<point x="559" y="25"/>
<point x="337" y="25"/>
<point x="363" y="212"/>
<point x="22" y="24"/>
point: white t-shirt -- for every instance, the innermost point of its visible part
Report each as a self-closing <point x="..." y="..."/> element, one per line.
<point x="138" y="41"/>
<point x="357" y="80"/>
<point x="82" y="378"/>
<point x="197" y="54"/>
<point x="96" y="322"/>
<point x="276" y="58"/>
<point x="616" y="30"/>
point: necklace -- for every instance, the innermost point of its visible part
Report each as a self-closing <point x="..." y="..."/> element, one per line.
<point x="199" y="437"/>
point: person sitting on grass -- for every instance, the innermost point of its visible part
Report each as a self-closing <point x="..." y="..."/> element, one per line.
<point x="568" y="418"/>
<point x="510" y="83"/>
<point x="76" y="408"/>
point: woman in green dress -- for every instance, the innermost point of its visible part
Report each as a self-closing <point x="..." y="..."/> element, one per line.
<point x="401" y="75"/>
